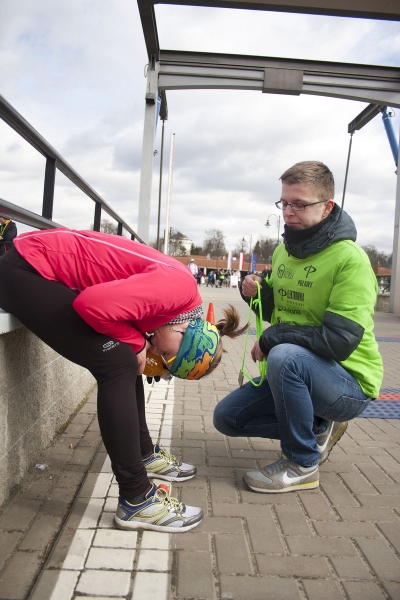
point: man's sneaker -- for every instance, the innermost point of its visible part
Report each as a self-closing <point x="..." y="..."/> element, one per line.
<point x="282" y="476"/>
<point x="159" y="512"/>
<point x="162" y="465"/>
<point x="327" y="439"/>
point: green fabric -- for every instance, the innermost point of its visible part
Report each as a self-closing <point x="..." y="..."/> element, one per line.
<point x="340" y="280"/>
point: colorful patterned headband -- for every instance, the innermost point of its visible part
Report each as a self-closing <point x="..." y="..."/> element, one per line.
<point x="197" y="350"/>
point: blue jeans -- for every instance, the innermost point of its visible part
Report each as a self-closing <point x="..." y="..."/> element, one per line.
<point x="302" y="393"/>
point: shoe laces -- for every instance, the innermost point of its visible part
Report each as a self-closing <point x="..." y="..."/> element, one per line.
<point x="276" y="466"/>
<point x="172" y="504"/>
<point x="170" y="458"/>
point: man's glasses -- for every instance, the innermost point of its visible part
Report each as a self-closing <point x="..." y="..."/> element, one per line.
<point x="282" y="205"/>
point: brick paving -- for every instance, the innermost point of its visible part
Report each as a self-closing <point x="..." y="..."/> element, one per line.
<point x="341" y="541"/>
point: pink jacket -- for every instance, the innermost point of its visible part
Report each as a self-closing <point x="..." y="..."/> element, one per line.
<point x="124" y="288"/>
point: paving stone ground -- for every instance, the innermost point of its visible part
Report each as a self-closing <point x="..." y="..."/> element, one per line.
<point x="342" y="541"/>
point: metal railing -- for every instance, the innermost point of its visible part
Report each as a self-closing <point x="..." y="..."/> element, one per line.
<point x="53" y="161"/>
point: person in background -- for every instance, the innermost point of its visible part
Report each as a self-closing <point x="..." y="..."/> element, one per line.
<point x="8" y="231"/>
<point x="103" y="302"/>
<point x="323" y="362"/>
<point x="210" y="279"/>
<point x="193" y="268"/>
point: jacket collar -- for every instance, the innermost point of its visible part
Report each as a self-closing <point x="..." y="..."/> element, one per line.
<point x="336" y="228"/>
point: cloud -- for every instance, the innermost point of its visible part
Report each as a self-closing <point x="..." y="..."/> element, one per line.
<point x="75" y="71"/>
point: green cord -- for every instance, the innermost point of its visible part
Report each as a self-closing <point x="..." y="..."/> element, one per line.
<point x="262" y="365"/>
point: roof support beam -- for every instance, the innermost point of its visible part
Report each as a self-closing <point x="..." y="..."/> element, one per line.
<point x="364" y="83"/>
<point x="363" y="9"/>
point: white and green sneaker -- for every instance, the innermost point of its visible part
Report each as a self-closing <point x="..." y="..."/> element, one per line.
<point x="159" y="512"/>
<point x="282" y="476"/>
<point x="162" y="465"/>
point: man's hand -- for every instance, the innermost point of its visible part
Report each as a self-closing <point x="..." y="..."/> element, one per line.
<point x="249" y="287"/>
<point x="256" y="353"/>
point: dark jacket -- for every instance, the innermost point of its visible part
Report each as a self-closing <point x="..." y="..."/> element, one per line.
<point x="8" y="232"/>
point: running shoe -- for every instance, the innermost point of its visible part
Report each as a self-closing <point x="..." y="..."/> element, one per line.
<point x="159" y="512"/>
<point x="282" y="476"/>
<point x="162" y="465"/>
<point x="330" y="437"/>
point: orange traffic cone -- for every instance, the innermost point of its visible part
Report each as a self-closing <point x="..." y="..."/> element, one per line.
<point x="210" y="314"/>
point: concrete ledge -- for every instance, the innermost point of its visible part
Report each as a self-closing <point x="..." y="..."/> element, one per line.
<point x="39" y="390"/>
<point x="8" y="322"/>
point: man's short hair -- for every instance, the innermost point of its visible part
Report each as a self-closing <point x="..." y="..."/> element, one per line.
<point x="315" y="174"/>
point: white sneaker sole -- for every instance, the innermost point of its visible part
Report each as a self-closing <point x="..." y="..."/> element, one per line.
<point x="291" y="488"/>
<point x="138" y="525"/>
<point x="168" y="477"/>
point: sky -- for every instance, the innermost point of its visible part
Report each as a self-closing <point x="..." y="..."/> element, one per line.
<point x="75" y="70"/>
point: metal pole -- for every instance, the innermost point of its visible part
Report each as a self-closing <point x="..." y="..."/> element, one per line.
<point x="171" y="172"/>
<point x="394" y="145"/>
<point x="160" y="185"/>
<point x="251" y="235"/>
<point x="394" y="300"/>
<point x="278" y="223"/>
<point x="347" y="168"/>
<point x="146" y="175"/>
<point x="48" y="191"/>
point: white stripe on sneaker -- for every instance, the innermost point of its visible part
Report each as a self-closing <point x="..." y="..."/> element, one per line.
<point x="328" y="437"/>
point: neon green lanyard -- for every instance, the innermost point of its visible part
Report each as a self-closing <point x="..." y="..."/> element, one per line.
<point x="262" y="365"/>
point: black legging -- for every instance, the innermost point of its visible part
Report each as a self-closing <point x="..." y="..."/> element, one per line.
<point x="45" y="307"/>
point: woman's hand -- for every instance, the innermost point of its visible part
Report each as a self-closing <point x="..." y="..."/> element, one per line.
<point x="256" y="353"/>
<point x="249" y="287"/>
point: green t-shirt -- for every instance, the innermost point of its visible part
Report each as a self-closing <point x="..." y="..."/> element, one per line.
<point x="340" y="280"/>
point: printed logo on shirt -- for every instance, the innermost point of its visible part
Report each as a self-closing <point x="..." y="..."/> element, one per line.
<point x="302" y="282"/>
<point x="280" y="320"/>
<point x="292" y="311"/>
<point x="110" y="345"/>
<point x="291" y="295"/>
<point x="284" y="272"/>
<point x="309" y="269"/>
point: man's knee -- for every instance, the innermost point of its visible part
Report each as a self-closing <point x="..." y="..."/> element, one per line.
<point x="282" y="353"/>
<point x="222" y="418"/>
<point x="218" y="418"/>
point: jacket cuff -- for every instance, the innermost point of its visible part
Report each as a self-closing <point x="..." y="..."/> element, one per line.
<point x="263" y="348"/>
<point x="143" y="347"/>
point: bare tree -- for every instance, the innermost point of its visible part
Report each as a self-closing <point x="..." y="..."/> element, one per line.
<point x="377" y="258"/>
<point x="263" y="249"/>
<point x="196" y="250"/>
<point x="107" y="226"/>
<point x="267" y="248"/>
<point x="214" y="243"/>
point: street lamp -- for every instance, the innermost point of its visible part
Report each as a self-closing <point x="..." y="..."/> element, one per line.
<point x="243" y="240"/>
<point x="278" y="222"/>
